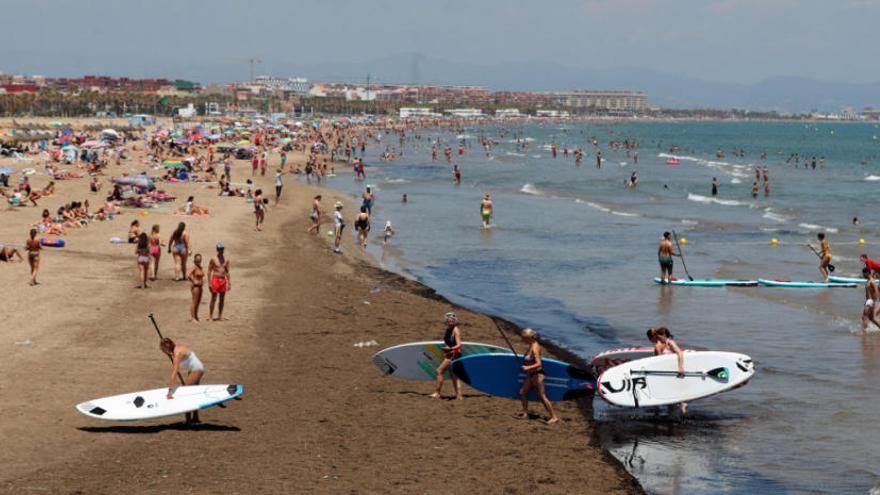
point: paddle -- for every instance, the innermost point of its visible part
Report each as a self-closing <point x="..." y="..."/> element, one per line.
<point x="156" y="326"/>
<point x="504" y="335"/>
<point x="681" y="255"/>
<point x="830" y="266"/>
<point x="720" y="373"/>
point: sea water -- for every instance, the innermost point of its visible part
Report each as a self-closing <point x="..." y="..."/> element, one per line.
<point x="572" y="253"/>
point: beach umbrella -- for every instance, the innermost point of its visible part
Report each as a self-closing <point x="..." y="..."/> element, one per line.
<point x="243" y="142"/>
<point x="94" y="144"/>
<point x="55" y="123"/>
<point x="172" y="164"/>
<point x="68" y="147"/>
<point x="111" y="132"/>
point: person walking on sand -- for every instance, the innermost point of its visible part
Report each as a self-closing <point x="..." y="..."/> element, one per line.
<point x="362" y="226"/>
<point x="196" y="277"/>
<point x="872" y="300"/>
<point x="278" y="185"/>
<point x="339" y="221"/>
<point x="486" y="210"/>
<point x="178" y="246"/>
<point x="142" y="251"/>
<point x="664" y="256"/>
<point x="218" y="273"/>
<point x="452" y="351"/>
<point x="183" y="358"/>
<point x="32" y="246"/>
<point x="155" y="250"/>
<point x="315" y="216"/>
<point x="663" y="344"/>
<point x="534" y="370"/>
<point x="824" y="255"/>
<point x="259" y="209"/>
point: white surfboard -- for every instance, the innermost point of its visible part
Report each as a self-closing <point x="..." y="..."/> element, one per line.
<point x="150" y="404"/>
<point x="419" y="360"/>
<point x="654" y="381"/>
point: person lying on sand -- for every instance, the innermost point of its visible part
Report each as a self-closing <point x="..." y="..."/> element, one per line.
<point x="7" y="253"/>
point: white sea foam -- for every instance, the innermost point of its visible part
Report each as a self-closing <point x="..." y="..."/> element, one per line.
<point x="624" y="214"/>
<point x="813" y="226"/>
<point x="707" y="200"/>
<point x="735" y="181"/>
<point x="530" y="189"/>
<point x="872" y="178"/>
<point x="464" y="136"/>
<point x="769" y="214"/>
<point x="685" y="221"/>
<point x="598" y="206"/>
<point x="397" y="181"/>
<point x="512" y="153"/>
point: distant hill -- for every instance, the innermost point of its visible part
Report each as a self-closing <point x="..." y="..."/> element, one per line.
<point x="784" y="94"/>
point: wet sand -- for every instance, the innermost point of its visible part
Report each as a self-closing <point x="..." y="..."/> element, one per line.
<point x="315" y="416"/>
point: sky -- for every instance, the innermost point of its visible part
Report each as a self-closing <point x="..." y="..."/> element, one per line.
<point x="737" y="41"/>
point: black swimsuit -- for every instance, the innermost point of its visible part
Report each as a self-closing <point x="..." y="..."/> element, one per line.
<point x="529" y="360"/>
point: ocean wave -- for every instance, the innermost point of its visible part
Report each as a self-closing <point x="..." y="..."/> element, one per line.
<point x="707" y="200"/>
<point x="624" y="214"/>
<point x="512" y="153"/>
<point x="813" y="226"/>
<point x="530" y="189"/>
<point x="769" y="214"/>
<point x="397" y="181"/>
<point x="464" y="136"/>
<point x="685" y="221"/>
<point x="735" y="181"/>
<point x="872" y="178"/>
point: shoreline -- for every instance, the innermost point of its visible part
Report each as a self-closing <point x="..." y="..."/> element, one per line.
<point x="315" y="413"/>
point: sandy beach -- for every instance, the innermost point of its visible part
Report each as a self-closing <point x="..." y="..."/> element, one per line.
<point x="316" y="415"/>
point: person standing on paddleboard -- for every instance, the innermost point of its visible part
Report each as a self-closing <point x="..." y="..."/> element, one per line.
<point x="663" y="344"/>
<point x="872" y="300"/>
<point x="452" y="349"/>
<point x="534" y="371"/>
<point x="183" y="358"/>
<point x="486" y="210"/>
<point x="664" y="256"/>
<point x="218" y="274"/>
<point x="824" y="255"/>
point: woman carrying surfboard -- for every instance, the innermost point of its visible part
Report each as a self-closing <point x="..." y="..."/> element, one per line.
<point x="183" y="358"/>
<point x="452" y="349"/>
<point x="534" y="371"/>
<point x="663" y="344"/>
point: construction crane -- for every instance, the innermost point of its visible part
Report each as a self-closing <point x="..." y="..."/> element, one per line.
<point x="251" y="62"/>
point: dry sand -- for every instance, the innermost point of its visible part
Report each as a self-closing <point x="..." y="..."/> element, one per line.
<point x="316" y="415"/>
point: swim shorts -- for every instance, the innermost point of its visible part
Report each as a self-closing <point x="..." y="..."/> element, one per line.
<point x="218" y="285"/>
<point x="666" y="262"/>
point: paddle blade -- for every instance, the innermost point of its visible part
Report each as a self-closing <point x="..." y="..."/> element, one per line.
<point x="830" y="268"/>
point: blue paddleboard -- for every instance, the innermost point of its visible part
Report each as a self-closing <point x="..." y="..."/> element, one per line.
<point x="501" y="375"/>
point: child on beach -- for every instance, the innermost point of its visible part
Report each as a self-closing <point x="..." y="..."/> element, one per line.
<point x="534" y="371"/>
<point x="388" y="231"/>
<point x="196" y="277"/>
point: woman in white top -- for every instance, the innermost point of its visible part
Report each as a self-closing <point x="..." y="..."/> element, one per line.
<point x="340" y="226"/>
<point x="183" y="358"/>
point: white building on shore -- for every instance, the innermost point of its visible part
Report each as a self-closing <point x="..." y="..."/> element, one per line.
<point x="465" y="113"/>
<point x="551" y="113"/>
<point x="417" y="112"/>
<point x="506" y="113"/>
